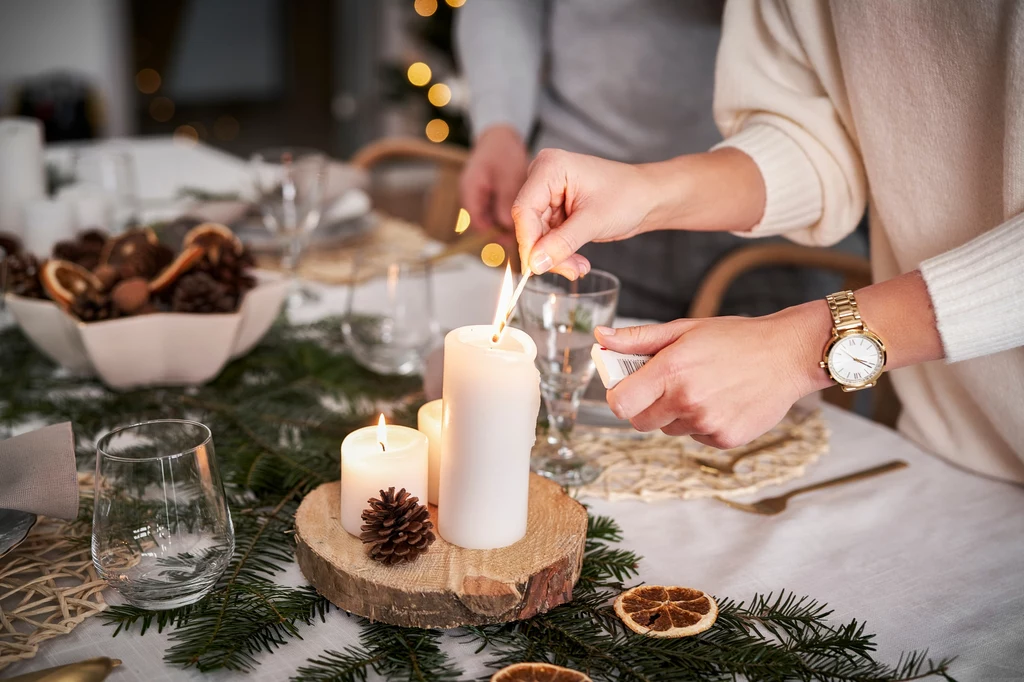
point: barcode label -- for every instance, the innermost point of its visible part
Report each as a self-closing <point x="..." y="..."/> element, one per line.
<point x="629" y="365"/>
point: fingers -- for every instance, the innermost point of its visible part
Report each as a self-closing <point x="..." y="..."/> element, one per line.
<point x="574" y="267"/>
<point x="660" y="414"/>
<point x="638" y="391"/>
<point x="476" y="193"/>
<point x="643" y="340"/>
<point x="543" y="191"/>
<point x="508" y="188"/>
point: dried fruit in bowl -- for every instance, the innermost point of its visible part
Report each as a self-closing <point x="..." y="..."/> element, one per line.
<point x="23" y="276"/>
<point x="10" y="243"/>
<point x="130" y="296"/>
<point x="197" y="292"/>
<point x="137" y="253"/>
<point x="94" y="307"/>
<point x="65" y="282"/>
<point x="214" y="238"/>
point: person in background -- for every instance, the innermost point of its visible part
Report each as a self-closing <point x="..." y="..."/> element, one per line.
<point x="914" y="104"/>
<point x="627" y="81"/>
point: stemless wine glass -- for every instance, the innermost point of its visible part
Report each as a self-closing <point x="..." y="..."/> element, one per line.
<point x="109" y="170"/>
<point x="561" y="316"/>
<point x="289" y="183"/>
<point x="390" y="325"/>
<point x="161" y="531"/>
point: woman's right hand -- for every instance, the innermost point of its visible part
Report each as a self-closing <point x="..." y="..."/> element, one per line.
<point x="571" y="199"/>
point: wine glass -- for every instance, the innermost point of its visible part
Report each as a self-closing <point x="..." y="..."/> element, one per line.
<point x="289" y="183"/>
<point x="390" y="325"/>
<point x="561" y="316"/>
<point x="162" y="533"/>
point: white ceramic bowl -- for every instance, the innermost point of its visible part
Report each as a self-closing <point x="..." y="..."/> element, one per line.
<point x="161" y="349"/>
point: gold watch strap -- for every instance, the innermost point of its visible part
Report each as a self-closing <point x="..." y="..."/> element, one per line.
<point x="845" y="315"/>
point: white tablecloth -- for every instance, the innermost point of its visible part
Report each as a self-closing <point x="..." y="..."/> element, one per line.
<point x="930" y="556"/>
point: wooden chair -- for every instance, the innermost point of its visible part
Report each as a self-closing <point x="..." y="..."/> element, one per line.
<point x="856" y="272"/>
<point x="441" y="208"/>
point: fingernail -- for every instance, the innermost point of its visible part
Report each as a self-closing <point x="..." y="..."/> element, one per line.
<point x="606" y="331"/>
<point x="540" y="263"/>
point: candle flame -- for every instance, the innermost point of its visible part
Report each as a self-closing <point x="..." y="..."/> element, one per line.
<point x="382" y="433"/>
<point x="503" y="300"/>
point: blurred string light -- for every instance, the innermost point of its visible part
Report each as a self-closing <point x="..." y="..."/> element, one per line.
<point x="492" y="255"/>
<point x="455" y="3"/>
<point x="439" y="94"/>
<point x="147" y="81"/>
<point x="226" y="128"/>
<point x="419" y="73"/>
<point x="425" y="8"/>
<point x="161" y="109"/>
<point x="186" y="134"/>
<point x="437" y="130"/>
<point x="462" y="222"/>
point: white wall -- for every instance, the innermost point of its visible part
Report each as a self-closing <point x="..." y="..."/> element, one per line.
<point x="87" y="37"/>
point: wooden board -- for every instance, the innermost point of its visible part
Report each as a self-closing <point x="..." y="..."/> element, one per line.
<point x="448" y="586"/>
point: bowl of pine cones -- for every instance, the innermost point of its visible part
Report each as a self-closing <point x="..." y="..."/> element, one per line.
<point x="136" y="312"/>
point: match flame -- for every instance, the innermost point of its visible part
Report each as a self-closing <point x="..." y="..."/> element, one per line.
<point x="462" y="223"/>
<point x="382" y="433"/>
<point x="504" y="299"/>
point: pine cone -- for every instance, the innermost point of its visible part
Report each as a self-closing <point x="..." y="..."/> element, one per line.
<point x="94" y="308"/>
<point x="230" y="269"/>
<point x="197" y="292"/>
<point x="10" y="244"/>
<point x="397" y="527"/>
<point x="85" y="250"/>
<point x="23" y="276"/>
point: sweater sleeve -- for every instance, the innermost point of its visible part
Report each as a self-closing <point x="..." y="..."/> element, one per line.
<point x="977" y="291"/>
<point x="776" y="77"/>
<point x="500" y="44"/>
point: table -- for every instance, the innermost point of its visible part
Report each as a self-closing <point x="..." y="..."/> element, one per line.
<point x="930" y="556"/>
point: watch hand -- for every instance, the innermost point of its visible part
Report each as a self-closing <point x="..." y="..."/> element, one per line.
<point x="866" y="364"/>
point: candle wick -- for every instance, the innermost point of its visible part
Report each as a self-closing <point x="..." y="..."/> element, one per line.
<point x="382" y="448"/>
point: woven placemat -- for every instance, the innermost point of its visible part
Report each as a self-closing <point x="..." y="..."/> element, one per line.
<point x="48" y="586"/>
<point x="660" y="467"/>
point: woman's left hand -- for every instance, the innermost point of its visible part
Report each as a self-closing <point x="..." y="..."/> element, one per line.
<point x="724" y="380"/>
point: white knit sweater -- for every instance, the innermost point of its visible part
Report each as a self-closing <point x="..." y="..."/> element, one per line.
<point x="918" y="108"/>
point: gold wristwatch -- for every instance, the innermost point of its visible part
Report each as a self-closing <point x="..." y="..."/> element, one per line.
<point x="854" y="357"/>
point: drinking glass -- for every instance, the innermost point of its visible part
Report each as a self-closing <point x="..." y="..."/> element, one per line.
<point x="561" y="316"/>
<point x="289" y="183"/>
<point x="161" y="532"/>
<point x="110" y="171"/>
<point x="390" y="325"/>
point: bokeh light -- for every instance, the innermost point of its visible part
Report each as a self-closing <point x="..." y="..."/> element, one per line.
<point x="425" y="8"/>
<point x="161" y="109"/>
<point x="186" y="134"/>
<point x="462" y="222"/>
<point x="455" y="3"/>
<point x="439" y="94"/>
<point x="419" y="73"/>
<point x="226" y="128"/>
<point x="492" y="255"/>
<point x="437" y="130"/>
<point x="147" y="81"/>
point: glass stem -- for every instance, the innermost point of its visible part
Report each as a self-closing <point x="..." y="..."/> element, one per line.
<point x="291" y="256"/>
<point x="562" y="406"/>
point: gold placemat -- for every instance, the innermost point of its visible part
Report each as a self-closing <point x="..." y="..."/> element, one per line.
<point x="661" y="467"/>
<point x="395" y="237"/>
<point x="48" y="586"/>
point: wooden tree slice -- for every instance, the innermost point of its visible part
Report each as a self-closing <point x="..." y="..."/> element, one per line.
<point x="448" y="586"/>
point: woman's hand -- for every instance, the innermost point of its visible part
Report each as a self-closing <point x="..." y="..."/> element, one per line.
<point x="494" y="172"/>
<point x="723" y="380"/>
<point x="571" y="199"/>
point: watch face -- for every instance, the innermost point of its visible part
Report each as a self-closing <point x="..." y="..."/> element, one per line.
<point x="855" y="360"/>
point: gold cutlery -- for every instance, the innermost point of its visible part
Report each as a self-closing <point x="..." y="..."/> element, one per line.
<point x="709" y="467"/>
<point x="776" y="505"/>
<point x="92" y="670"/>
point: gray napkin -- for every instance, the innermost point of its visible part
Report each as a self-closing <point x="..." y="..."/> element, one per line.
<point x="37" y="472"/>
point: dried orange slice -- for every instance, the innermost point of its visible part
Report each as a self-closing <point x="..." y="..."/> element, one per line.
<point x="212" y="237"/>
<point x="65" y="281"/>
<point x="178" y="267"/>
<point x="659" y="611"/>
<point x="538" y="672"/>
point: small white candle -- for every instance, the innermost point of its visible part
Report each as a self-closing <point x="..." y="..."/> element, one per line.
<point x="428" y="421"/>
<point x="491" y="399"/>
<point x="376" y="458"/>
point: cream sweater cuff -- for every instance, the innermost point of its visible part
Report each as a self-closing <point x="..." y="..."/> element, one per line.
<point x="977" y="291"/>
<point x="793" y="197"/>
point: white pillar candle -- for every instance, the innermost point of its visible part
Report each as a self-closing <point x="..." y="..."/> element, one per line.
<point x="491" y="399"/>
<point x="367" y="468"/>
<point x="428" y="421"/>
<point x="22" y="171"/>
